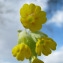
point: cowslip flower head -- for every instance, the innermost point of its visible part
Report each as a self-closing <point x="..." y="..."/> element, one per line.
<point x="32" y="17"/>
<point x="36" y="60"/>
<point x="45" y="46"/>
<point x="21" y="51"/>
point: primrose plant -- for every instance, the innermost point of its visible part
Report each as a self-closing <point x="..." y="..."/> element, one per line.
<point x="32" y="43"/>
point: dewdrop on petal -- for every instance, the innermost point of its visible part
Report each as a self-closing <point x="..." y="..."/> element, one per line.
<point x="32" y="17"/>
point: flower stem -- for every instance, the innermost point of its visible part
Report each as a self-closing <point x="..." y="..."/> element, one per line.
<point x="30" y="60"/>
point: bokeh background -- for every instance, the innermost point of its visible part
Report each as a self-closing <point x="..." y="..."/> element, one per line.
<point x="10" y="23"/>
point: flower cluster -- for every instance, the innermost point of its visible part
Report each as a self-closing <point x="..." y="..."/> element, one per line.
<point x="19" y="52"/>
<point x="32" y="43"/>
<point x="45" y="45"/>
<point x="32" y="17"/>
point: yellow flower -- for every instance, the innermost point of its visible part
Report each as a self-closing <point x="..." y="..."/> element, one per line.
<point x="32" y="17"/>
<point x="21" y="51"/>
<point x="36" y="60"/>
<point x="15" y="50"/>
<point x="45" y="45"/>
<point x="28" y="52"/>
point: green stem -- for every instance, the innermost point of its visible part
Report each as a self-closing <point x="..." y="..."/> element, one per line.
<point x="30" y="60"/>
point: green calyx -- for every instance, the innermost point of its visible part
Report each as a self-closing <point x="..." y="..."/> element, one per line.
<point x="24" y="37"/>
<point x="37" y="35"/>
